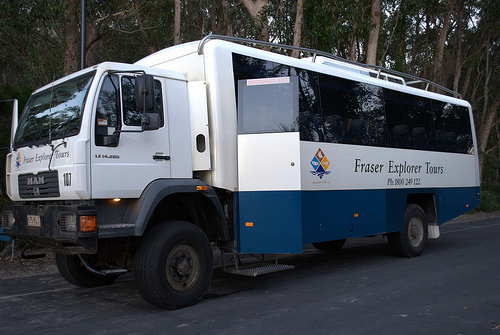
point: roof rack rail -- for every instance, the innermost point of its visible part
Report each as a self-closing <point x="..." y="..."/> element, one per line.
<point x="408" y="79"/>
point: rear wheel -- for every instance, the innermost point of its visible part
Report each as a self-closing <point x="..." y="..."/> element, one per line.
<point x="173" y="265"/>
<point x="412" y="240"/>
<point x="330" y="245"/>
<point x="71" y="268"/>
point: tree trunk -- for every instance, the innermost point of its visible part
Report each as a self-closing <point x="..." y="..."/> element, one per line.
<point x="297" y="29"/>
<point x="140" y="25"/>
<point x="352" y="43"/>
<point x="91" y="47"/>
<point x="227" y="20"/>
<point x="465" y="87"/>
<point x="489" y="114"/>
<point x="255" y="8"/>
<point x="71" y="37"/>
<point x="177" y="22"/>
<point x="485" y="131"/>
<point x="371" y="50"/>
<point x="438" y="59"/>
<point x="458" y="49"/>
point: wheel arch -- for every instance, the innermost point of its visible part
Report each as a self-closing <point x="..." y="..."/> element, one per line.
<point x="427" y="202"/>
<point x="179" y="199"/>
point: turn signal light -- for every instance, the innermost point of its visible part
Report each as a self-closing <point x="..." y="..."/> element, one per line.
<point x="88" y="224"/>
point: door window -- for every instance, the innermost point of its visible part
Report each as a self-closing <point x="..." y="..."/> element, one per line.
<point x="110" y="107"/>
<point x="107" y="114"/>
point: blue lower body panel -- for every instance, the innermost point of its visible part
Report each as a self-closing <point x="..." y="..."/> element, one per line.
<point x="269" y="222"/>
<point x="282" y="221"/>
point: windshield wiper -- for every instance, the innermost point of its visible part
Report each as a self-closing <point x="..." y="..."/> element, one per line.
<point x="64" y="128"/>
<point x="37" y="136"/>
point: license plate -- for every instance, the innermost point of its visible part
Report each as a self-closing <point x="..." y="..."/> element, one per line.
<point x="34" y="221"/>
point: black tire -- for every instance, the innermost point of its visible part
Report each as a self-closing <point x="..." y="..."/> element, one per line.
<point x="412" y="240"/>
<point x="173" y="265"/>
<point x="71" y="268"/>
<point x="330" y="245"/>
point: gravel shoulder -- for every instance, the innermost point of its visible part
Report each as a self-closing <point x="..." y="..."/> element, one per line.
<point x="19" y="267"/>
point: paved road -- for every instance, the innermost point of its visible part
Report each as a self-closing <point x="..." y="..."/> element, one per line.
<point x="453" y="288"/>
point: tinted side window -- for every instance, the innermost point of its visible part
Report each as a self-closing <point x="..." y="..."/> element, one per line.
<point x="311" y="127"/>
<point x="353" y="112"/>
<point x="408" y="121"/>
<point x="452" y="128"/>
<point x="305" y="89"/>
<point x="131" y="116"/>
<point x="107" y="113"/>
<point x="267" y="105"/>
<point x="266" y="94"/>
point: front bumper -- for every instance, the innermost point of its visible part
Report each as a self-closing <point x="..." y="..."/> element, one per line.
<point x="51" y="225"/>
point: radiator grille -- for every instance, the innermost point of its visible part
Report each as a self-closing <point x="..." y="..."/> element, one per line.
<point x="41" y="185"/>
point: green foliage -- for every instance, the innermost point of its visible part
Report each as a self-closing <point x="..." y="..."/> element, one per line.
<point x="33" y="43"/>
<point x="490" y="201"/>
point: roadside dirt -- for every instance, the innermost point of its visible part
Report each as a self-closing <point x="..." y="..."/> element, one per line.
<point x="19" y="267"/>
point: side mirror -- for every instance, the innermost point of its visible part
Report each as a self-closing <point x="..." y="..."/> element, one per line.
<point x="151" y="121"/>
<point x="145" y="93"/>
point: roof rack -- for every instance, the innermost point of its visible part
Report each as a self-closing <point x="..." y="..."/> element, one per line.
<point x="381" y="72"/>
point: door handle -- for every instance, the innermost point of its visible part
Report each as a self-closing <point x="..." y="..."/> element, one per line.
<point x="161" y="157"/>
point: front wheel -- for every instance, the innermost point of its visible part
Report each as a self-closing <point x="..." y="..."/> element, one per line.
<point x="173" y="265"/>
<point x="412" y="240"/>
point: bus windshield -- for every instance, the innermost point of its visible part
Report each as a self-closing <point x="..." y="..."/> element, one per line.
<point x="54" y="113"/>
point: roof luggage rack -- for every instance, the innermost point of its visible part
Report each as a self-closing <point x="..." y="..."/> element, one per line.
<point x="377" y="71"/>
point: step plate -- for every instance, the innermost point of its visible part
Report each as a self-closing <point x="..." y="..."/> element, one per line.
<point x="259" y="270"/>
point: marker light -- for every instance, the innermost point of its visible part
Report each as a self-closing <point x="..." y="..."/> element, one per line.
<point x="88" y="224"/>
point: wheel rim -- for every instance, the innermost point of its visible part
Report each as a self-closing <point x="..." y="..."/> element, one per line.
<point x="415" y="231"/>
<point x="182" y="267"/>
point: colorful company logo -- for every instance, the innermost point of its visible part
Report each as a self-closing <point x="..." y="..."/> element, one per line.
<point x="18" y="160"/>
<point x="320" y="164"/>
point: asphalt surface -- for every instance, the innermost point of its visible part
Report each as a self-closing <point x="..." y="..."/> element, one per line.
<point x="453" y="288"/>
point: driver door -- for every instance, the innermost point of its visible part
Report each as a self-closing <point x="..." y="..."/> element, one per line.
<point x="124" y="158"/>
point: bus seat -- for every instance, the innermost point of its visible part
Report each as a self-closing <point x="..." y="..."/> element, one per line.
<point x="309" y="127"/>
<point x="450" y="141"/>
<point x="401" y="136"/>
<point x="438" y="137"/>
<point x="357" y="133"/>
<point x="334" y="129"/>
<point x="419" y="138"/>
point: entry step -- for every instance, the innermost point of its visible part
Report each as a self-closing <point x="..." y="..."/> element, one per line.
<point x="260" y="270"/>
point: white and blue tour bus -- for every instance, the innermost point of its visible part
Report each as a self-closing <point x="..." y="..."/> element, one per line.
<point x="148" y="167"/>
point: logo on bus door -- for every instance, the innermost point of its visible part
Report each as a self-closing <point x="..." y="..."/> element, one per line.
<point x="320" y="164"/>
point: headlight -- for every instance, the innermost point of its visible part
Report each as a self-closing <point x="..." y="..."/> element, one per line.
<point x="8" y="219"/>
<point x="68" y="222"/>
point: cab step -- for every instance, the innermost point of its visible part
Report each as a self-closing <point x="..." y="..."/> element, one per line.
<point x="252" y="269"/>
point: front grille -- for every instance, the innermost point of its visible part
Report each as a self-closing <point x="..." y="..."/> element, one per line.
<point x="41" y="185"/>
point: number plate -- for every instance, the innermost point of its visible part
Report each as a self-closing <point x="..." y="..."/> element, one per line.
<point x="34" y="221"/>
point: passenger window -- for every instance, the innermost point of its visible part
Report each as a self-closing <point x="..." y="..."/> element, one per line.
<point x="353" y="112"/>
<point x="131" y="116"/>
<point x="267" y="105"/>
<point x="310" y="126"/>
<point x="408" y="121"/>
<point x="107" y="113"/>
<point x="452" y="128"/>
